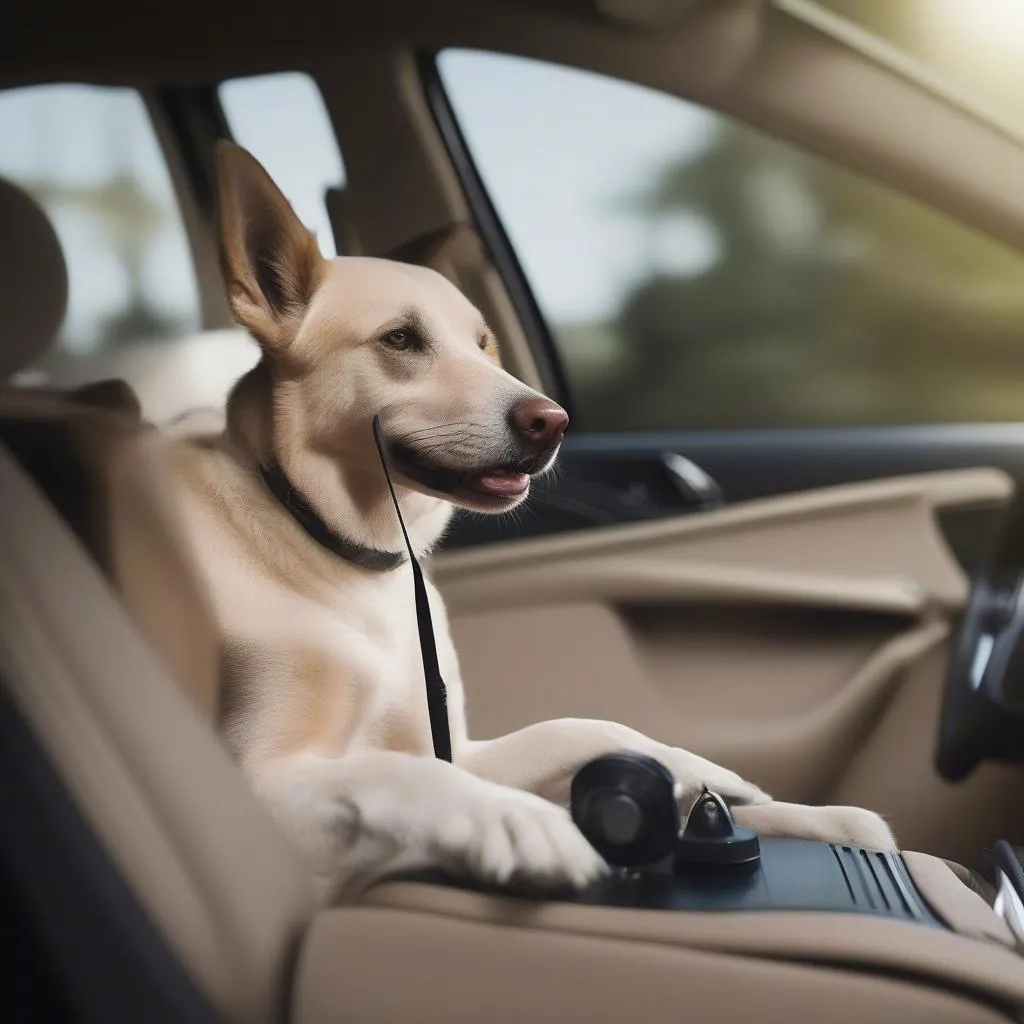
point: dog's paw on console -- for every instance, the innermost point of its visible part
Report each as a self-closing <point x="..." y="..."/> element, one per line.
<point x="853" y="826"/>
<point x="693" y="774"/>
<point x="507" y="835"/>
<point x="719" y="858"/>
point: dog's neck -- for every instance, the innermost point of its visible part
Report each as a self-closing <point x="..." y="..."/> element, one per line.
<point x="345" y="509"/>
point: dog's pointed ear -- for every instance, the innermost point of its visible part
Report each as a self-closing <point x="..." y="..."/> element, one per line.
<point x="271" y="263"/>
<point x="437" y="249"/>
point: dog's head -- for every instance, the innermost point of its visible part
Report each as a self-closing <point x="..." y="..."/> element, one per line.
<point x="350" y="338"/>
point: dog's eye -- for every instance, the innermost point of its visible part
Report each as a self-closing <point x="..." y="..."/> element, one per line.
<point x="483" y="342"/>
<point x="399" y="339"/>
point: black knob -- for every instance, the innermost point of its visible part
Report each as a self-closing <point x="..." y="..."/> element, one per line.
<point x="625" y="804"/>
<point x="711" y="838"/>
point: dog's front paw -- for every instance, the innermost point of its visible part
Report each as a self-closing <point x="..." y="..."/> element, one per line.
<point x="857" y="826"/>
<point x="505" y="834"/>
<point x="692" y="773"/>
<point x="852" y="826"/>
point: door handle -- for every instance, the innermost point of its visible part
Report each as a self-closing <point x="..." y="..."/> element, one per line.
<point x="692" y="482"/>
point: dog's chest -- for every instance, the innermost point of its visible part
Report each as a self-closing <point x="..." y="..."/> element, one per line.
<point x="327" y="667"/>
<point x="390" y="670"/>
<point x="331" y="676"/>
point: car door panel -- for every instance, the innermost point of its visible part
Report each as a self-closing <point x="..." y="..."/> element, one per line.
<point x="800" y="639"/>
<point x="604" y="479"/>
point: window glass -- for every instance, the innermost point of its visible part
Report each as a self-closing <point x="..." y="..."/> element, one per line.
<point x="90" y="156"/>
<point x="698" y="274"/>
<point x="281" y="119"/>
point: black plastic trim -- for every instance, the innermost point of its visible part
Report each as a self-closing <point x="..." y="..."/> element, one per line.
<point x="792" y="875"/>
<point x="1008" y="860"/>
<point x="194" y="118"/>
<point x="811" y="437"/>
<point x="759" y="462"/>
<point x="100" y="948"/>
<point x="493" y="233"/>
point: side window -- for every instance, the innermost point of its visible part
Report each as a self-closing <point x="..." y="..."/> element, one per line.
<point x="90" y="156"/>
<point x="281" y="119"/>
<point x="698" y="274"/>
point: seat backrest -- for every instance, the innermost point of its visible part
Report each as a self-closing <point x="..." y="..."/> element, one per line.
<point x="108" y="655"/>
<point x="99" y="468"/>
<point x="147" y="773"/>
<point x="84" y="451"/>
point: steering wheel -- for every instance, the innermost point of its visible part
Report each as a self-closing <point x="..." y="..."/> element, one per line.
<point x="983" y="709"/>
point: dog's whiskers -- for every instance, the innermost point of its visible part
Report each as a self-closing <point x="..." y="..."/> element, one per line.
<point x="429" y="451"/>
<point x="450" y="438"/>
<point x="441" y="429"/>
<point x="442" y="426"/>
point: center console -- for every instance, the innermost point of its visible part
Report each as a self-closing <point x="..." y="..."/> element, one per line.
<point x="700" y="922"/>
<point x="627" y="806"/>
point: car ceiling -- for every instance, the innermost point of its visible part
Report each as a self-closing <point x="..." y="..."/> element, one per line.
<point x="112" y="41"/>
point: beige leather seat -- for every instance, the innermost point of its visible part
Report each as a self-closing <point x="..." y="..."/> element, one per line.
<point x="161" y="891"/>
<point x="120" y="693"/>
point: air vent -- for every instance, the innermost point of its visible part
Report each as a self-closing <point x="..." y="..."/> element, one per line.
<point x="878" y="883"/>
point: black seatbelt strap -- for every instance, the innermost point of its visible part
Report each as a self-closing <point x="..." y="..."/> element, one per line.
<point x="437" y="693"/>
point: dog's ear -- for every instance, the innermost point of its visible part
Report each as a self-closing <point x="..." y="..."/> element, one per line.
<point x="439" y="249"/>
<point x="271" y="263"/>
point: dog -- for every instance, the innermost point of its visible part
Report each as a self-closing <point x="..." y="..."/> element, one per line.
<point x="292" y="525"/>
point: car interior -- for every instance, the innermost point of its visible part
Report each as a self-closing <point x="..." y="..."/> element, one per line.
<point x="786" y="538"/>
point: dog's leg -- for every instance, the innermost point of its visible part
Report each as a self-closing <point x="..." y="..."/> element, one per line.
<point x="362" y="816"/>
<point x="543" y="758"/>
<point x="852" y="825"/>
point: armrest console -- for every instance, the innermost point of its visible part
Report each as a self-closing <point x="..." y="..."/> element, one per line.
<point x="473" y="956"/>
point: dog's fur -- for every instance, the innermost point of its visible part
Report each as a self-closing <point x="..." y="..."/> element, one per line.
<point x="324" y="704"/>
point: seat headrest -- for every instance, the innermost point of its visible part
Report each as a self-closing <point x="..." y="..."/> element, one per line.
<point x="33" y="281"/>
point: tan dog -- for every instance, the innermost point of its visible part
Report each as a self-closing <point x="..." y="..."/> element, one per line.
<point x="288" y="509"/>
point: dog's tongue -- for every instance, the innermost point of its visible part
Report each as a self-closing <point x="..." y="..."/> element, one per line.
<point x="502" y="484"/>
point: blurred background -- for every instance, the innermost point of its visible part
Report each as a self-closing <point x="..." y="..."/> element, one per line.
<point x="695" y="274"/>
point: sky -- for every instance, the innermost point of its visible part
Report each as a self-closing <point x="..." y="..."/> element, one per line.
<point x="562" y="151"/>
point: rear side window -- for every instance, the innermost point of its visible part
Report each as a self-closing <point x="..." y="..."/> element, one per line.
<point x="696" y="273"/>
<point x="90" y="156"/>
<point x="281" y="119"/>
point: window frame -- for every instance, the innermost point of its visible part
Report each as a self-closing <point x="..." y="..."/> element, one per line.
<point x="492" y="230"/>
<point x="188" y="122"/>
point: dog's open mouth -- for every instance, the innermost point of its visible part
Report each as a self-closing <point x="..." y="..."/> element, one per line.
<point x="498" y="483"/>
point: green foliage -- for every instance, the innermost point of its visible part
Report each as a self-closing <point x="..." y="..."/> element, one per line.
<point x="832" y="301"/>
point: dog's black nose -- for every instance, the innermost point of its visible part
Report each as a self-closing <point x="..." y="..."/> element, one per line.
<point x="539" y="422"/>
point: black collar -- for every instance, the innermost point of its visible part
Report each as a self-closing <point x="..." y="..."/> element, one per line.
<point x="302" y="512"/>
